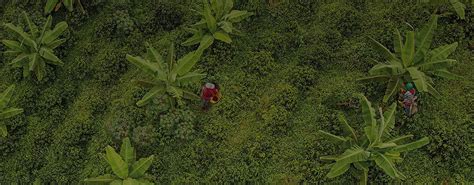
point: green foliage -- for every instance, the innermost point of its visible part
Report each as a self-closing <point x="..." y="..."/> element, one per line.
<point x="126" y="169"/>
<point x="35" y="49"/>
<point x="377" y="145"/>
<point x="168" y="78"/>
<point x="177" y="124"/>
<point x="5" y="111"/>
<point x="56" y="4"/>
<point x="216" y="22"/>
<point x="413" y="61"/>
<point x="459" y="6"/>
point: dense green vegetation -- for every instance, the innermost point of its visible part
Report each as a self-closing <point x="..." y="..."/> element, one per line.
<point x="290" y="73"/>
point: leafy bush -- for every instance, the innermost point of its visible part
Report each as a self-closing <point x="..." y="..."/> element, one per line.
<point x="35" y="48"/>
<point x="177" y="124"/>
<point x="169" y="78"/>
<point x="119" y="24"/>
<point x="376" y="146"/>
<point x="5" y="111"/>
<point x="217" y="22"/>
<point x="126" y="169"/>
<point x="415" y="62"/>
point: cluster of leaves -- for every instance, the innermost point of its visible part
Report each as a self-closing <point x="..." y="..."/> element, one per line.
<point x="125" y="167"/>
<point x="56" y="4"/>
<point x="35" y="49"/>
<point x="458" y="5"/>
<point x="376" y="146"/>
<point x="216" y="22"/>
<point x="168" y="78"/>
<point x="5" y="111"/>
<point x="179" y="124"/>
<point x="413" y="61"/>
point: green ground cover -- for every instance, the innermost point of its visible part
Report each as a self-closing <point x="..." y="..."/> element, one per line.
<point x="289" y="74"/>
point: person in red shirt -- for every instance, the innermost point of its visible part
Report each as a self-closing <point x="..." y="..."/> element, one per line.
<point x="210" y="95"/>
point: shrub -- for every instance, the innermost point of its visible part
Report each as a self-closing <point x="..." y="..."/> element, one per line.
<point x="5" y="111"/>
<point x="168" y="78"/>
<point x="216" y="23"/>
<point x="126" y="170"/>
<point x="415" y="62"/>
<point x="35" y="48"/>
<point x="377" y="146"/>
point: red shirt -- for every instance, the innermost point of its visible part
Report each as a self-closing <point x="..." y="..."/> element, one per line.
<point x="208" y="94"/>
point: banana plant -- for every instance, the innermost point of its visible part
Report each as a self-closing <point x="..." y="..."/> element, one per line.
<point x="216" y="22"/>
<point x="413" y="61"/>
<point x="5" y="111"/>
<point x="56" y="4"/>
<point x="168" y="79"/>
<point x="126" y="170"/>
<point x="35" y="49"/>
<point x="377" y="147"/>
<point x="459" y="6"/>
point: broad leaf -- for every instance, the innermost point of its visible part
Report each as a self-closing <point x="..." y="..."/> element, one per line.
<point x="385" y="69"/>
<point x="433" y="91"/>
<point x="418" y="78"/>
<point x="13" y="45"/>
<point x="363" y="177"/>
<point x="437" y="65"/>
<point x="186" y="63"/>
<point x="226" y="26"/>
<point x="386" y="165"/>
<point x="424" y="38"/>
<point x="127" y="152"/>
<point x="119" y="167"/>
<point x="338" y="171"/>
<point x="154" y="56"/>
<point x="140" y="167"/>
<point x="381" y="78"/>
<point x="400" y="139"/>
<point x="8" y="113"/>
<point x="206" y="41"/>
<point x="446" y="74"/>
<point x="442" y="52"/>
<point x="383" y="50"/>
<point x="332" y="137"/>
<point x="222" y="36"/>
<point x="107" y="178"/>
<point x="398" y="42"/>
<point x="236" y="16"/>
<point x="52" y="35"/>
<point x="50" y="6"/>
<point x="411" y="146"/>
<point x="349" y="156"/>
<point x="68" y="4"/>
<point x="195" y="39"/>
<point x="368" y="113"/>
<point x="392" y="88"/>
<point x="459" y="8"/>
<point x="191" y="77"/>
<point x="19" y="59"/>
<point x="408" y="51"/>
<point x="389" y="117"/>
<point x="347" y="128"/>
<point x="210" y="20"/>
<point x="155" y="91"/>
<point x="150" y="68"/>
<point x="25" y="38"/>
<point x="56" y="43"/>
<point x="50" y="57"/>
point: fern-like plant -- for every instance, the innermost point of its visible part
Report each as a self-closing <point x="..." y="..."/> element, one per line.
<point x="168" y="79"/>
<point x="217" y="22"/>
<point x="413" y="61"/>
<point x="35" y="49"/>
<point x="377" y="147"/>
<point x="5" y="111"/>
<point x="124" y="166"/>
<point x="56" y="4"/>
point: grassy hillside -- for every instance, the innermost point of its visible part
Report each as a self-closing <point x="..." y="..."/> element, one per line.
<point x="288" y="76"/>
